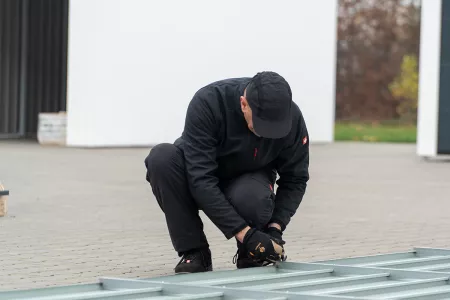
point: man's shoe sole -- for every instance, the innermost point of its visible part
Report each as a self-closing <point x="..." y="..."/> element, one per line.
<point x="209" y="269"/>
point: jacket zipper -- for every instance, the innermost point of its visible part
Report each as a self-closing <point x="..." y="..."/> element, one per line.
<point x="257" y="145"/>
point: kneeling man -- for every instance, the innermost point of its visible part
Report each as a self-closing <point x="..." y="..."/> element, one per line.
<point x="239" y="134"/>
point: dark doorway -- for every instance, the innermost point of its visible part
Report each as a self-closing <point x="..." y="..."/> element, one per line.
<point x="33" y="63"/>
<point x="444" y="87"/>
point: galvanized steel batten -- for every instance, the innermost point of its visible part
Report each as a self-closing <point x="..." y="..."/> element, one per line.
<point x="422" y="273"/>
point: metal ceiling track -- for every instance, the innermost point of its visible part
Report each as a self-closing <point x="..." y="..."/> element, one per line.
<point x="422" y="273"/>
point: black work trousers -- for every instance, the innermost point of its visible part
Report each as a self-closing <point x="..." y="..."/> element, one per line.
<point x="250" y="194"/>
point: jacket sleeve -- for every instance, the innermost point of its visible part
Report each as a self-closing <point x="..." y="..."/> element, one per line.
<point x="200" y="137"/>
<point x="292" y="167"/>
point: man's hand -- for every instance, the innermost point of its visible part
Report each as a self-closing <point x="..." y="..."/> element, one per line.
<point x="260" y="246"/>
<point x="276" y="234"/>
<point x="241" y="234"/>
<point x="276" y="225"/>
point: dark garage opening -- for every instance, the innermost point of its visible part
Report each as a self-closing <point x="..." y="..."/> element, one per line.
<point x="33" y="63"/>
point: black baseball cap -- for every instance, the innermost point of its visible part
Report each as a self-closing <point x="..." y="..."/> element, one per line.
<point x="270" y="99"/>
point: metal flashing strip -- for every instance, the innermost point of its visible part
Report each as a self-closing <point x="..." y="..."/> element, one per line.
<point x="418" y="259"/>
<point x="418" y="274"/>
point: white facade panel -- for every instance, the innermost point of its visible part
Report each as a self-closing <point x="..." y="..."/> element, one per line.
<point x="429" y="69"/>
<point x="135" y="64"/>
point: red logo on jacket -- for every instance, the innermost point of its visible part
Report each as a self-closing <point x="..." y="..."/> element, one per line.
<point x="305" y="140"/>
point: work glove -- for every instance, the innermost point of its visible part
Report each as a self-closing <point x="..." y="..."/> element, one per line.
<point x="276" y="235"/>
<point x="260" y="247"/>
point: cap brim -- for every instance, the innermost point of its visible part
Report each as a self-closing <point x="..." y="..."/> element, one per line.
<point x="272" y="129"/>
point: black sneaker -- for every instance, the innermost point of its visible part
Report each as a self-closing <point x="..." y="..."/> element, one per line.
<point x="242" y="260"/>
<point x="194" y="261"/>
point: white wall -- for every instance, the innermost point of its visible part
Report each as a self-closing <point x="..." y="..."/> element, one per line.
<point x="135" y="64"/>
<point x="428" y="102"/>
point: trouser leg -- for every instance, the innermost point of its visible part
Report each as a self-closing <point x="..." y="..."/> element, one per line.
<point x="253" y="197"/>
<point x="167" y="177"/>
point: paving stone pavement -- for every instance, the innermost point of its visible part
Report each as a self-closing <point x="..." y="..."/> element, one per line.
<point x="79" y="214"/>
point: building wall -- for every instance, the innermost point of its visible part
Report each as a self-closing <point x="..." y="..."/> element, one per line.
<point x="10" y="66"/>
<point x="33" y="41"/>
<point x="443" y="146"/>
<point x="46" y="61"/>
<point x="134" y="65"/>
<point x="429" y="79"/>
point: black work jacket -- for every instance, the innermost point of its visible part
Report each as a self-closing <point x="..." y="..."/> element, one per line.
<point x="218" y="145"/>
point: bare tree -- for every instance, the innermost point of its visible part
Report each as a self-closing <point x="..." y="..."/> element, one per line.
<point x="373" y="38"/>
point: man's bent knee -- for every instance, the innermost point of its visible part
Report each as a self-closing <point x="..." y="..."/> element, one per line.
<point x="160" y="156"/>
<point x="161" y="160"/>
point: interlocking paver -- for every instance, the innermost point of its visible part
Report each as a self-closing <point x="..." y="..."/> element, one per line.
<point x="78" y="214"/>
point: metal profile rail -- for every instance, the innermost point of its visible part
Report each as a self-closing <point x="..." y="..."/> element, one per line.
<point x="418" y="259"/>
<point x="418" y="274"/>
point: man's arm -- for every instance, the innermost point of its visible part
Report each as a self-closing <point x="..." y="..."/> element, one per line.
<point x="200" y="145"/>
<point x="292" y="166"/>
